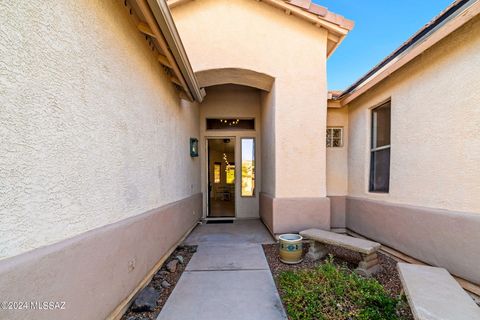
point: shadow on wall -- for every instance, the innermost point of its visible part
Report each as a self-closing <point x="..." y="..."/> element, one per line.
<point x="244" y="77"/>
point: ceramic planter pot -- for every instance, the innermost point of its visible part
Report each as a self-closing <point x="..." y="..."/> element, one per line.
<point x="291" y="248"/>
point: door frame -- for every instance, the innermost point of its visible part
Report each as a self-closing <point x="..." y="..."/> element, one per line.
<point x="207" y="180"/>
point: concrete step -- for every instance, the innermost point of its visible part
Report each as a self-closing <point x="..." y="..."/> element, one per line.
<point x="434" y="294"/>
<point x="228" y="257"/>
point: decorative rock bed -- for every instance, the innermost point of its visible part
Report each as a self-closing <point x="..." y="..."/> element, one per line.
<point x="150" y="301"/>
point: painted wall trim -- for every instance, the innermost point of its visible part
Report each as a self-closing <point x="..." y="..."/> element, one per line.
<point x="123" y="306"/>
<point x="338" y="211"/>
<point x="286" y="215"/>
<point x="401" y="257"/>
<point x="438" y="237"/>
<point x="105" y="264"/>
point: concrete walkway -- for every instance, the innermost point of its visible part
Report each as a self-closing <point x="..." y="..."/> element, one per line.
<point x="228" y="278"/>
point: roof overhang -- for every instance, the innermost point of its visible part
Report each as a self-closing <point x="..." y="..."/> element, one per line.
<point x="452" y="18"/>
<point x="332" y="101"/>
<point x="153" y="19"/>
<point x="336" y="25"/>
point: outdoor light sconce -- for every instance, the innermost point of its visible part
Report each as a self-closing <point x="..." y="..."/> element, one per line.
<point x="193" y="147"/>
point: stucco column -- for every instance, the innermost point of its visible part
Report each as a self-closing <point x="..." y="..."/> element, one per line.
<point x="300" y="120"/>
<point x="300" y="200"/>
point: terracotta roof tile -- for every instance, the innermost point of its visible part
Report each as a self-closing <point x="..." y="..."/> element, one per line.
<point x="322" y="12"/>
<point x="318" y="10"/>
<point x="304" y="4"/>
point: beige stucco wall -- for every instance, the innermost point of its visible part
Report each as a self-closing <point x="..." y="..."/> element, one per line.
<point x="284" y="47"/>
<point x="337" y="158"/>
<point x="99" y="268"/>
<point x="227" y="101"/>
<point x="435" y="152"/>
<point x="92" y="131"/>
<point x="267" y="100"/>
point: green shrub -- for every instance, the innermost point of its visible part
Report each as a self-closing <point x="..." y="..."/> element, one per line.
<point x="333" y="292"/>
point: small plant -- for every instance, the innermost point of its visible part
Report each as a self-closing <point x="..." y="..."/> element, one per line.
<point x="334" y="292"/>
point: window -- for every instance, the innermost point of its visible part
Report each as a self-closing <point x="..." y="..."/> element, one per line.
<point x="248" y="167"/>
<point x="380" y="149"/>
<point x="217" y="167"/>
<point x="334" y="137"/>
<point x="230" y="124"/>
<point x="230" y="176"/>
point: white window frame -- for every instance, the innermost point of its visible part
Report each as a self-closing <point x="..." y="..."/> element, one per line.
<point x="373" y="145"/>
<point x="254" y="166"/>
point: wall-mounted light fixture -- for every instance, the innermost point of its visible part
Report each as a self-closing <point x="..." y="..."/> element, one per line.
<point x="193" y="147"/>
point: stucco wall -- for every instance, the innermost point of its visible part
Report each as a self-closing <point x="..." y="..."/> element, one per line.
<point x="435" y="153"/>
<point x="284" y="47"/>
<point x="443" y="238"/>
<point x="92" y="130"/>
<point x="337" y="158"/>
<point x="96" y="270"/>
<point x="268" y="141"/>
<point x="227" y="101"/>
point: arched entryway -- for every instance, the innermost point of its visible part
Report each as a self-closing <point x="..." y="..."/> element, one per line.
<point x="239" y="76"/>
<point x="232" y="131"/>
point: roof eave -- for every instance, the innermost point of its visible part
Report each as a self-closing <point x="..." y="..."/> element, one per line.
<point x="163" y="17"/>
<point x="439" y="28"/>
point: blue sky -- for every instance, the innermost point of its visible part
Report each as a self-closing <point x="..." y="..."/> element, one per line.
<point x="381" y="26"/>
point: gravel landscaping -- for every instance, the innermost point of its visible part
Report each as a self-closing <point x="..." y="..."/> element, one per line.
<point x="387" y="278"/>
<point x="150" y="301"/>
